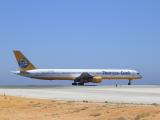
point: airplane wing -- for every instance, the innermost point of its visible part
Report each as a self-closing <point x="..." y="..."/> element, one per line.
<point x="84" y="78"/>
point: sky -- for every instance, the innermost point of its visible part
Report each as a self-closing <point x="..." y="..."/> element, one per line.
<point x="81" y="34"/>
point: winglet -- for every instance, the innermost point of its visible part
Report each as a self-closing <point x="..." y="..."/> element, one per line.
<point x="23" y="62"/>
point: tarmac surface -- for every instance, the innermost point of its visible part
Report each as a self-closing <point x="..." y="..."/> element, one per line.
<point x="139" y="94"/>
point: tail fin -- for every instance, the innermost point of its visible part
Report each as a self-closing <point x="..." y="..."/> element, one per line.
<point x="23" y="62"/>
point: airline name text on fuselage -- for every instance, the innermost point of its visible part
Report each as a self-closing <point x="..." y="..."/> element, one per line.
<point x="116" y="73"/>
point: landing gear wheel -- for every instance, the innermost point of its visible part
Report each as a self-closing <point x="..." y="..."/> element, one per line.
<point x="81" y="84"/>
<point x="74" y="83"/>
<point x="129" y="83"/>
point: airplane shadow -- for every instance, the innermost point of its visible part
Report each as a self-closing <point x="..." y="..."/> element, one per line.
<point x="90" y="85"/>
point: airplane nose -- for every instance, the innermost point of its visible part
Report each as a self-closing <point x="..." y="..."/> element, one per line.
<point x="16" y="72"/>
<point x="140" y="76"/>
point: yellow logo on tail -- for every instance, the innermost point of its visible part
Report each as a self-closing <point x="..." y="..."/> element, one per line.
<point x="23" y="62"/>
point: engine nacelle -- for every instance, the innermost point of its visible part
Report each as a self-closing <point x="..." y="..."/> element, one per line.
<point x="97" y="79"/>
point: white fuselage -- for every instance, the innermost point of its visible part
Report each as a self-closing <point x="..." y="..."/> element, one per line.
<point x="71" y="74"/>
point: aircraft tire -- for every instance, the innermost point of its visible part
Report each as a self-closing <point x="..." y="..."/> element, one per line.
<point x="81" y="84"/>
<point x="129" y="83"/>
<point x="74" y="83"/>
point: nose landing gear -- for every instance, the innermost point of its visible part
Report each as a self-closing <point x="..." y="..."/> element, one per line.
<point x="129" y="83"/>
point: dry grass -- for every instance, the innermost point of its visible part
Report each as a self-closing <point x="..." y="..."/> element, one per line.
<point x="95" y="114"/>
<point x="18" y="108"/>
<point x="140" y="116"/>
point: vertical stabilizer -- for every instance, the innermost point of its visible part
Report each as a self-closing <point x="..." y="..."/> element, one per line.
<point x="23" y="62"/>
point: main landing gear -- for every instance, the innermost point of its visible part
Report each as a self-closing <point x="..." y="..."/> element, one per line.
<point x="74" y="83"/>
<point x="129" y="83"/>
<point x="80" y="84"/>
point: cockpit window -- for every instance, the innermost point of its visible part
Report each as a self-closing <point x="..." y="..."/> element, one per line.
<point x="137" y="73"/>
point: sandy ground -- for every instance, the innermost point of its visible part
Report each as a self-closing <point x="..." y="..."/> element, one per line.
<point x="20" y="108"/>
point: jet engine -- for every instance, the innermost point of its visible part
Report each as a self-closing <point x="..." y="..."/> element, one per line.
<point x="96" y="79"/>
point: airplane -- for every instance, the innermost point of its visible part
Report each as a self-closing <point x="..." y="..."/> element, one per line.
<point x="79" y="76"/>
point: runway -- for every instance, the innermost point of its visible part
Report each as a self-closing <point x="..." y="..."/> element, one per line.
<point x="139" y="94"/>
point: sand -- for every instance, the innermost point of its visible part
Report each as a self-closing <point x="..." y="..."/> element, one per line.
<point x="20" y="108"/>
